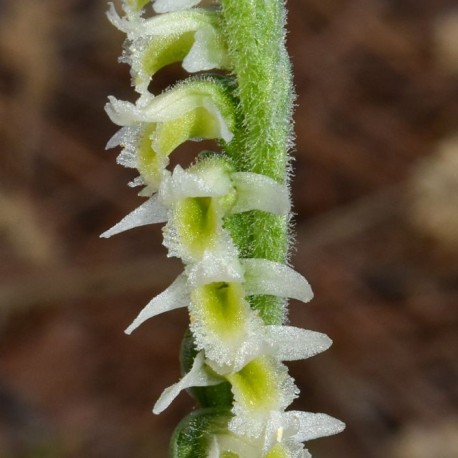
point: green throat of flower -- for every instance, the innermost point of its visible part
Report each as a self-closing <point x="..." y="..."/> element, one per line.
<point x="226" y="217"/>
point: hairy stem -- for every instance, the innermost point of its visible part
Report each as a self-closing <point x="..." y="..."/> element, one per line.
<point x="255" y="35"/>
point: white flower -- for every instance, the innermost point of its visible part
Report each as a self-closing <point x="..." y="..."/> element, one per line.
<point x="284" y="433"/>
<point x="262" y="386"/>
<point x="295" y="427"/>
<point x="198" y="205"/>
<point x="237" y="192"/>
<point x="191" y="36"/>
<point x="154" y="126"/>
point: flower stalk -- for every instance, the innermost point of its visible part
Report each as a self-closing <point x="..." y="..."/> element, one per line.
<point x="226" y="217"/>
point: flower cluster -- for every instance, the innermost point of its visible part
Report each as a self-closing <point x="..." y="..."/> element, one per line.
<point x="231" y="342"/>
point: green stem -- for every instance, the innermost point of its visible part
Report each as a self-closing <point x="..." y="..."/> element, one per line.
<point x="255" y="35"/>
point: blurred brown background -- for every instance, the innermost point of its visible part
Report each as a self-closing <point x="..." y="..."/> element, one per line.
<point x="376" y="196"/>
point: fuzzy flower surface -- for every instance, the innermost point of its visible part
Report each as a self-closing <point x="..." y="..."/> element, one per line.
<point x="226" y="217"/>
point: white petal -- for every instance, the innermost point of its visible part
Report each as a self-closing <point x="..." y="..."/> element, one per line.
<point x="259" y="192"/>
<point x="289" y="343"/>
<point x="269" y="277"/>
<point x="174" y="297"/>
<point x="313" y="425"/>
<point x="224" y="131"/>
<point x="215" y="268"/>
<point x="206" y="53"/>
<point x="197" y="376"/>
<point x="150" y="212"/>
<point x="165" y="6"/>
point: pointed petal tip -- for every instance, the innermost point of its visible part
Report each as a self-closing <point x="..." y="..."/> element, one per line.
<point x="107" y="234"/>
<point x="316" y="425"/>
<point x="274" y="278"/>
<point x="197" y="376"/>
<point x="340" y="426"/>
<point x="289" y="343"/>
<point x="174" y="297"/>
<point x="128" y="331"/>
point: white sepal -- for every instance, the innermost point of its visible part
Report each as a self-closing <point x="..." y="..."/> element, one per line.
<point x="288" y="343"/>
<point x="165" y="6"/>
<point x="197" y="376"/>
<point x="273" y="278"/>
<point x="150" y="212"/>
<point x="259" y="192"/>
<point x="174" y="297"/>
<point x="313" y="425"/>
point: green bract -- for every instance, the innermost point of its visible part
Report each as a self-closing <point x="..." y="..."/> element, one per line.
<point x="226" y="217"/>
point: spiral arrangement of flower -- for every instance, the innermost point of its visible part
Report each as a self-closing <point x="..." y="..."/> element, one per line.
<point x="226" y="217"/>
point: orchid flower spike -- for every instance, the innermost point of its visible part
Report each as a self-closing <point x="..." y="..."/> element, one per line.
<point x="226" y="216"/>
